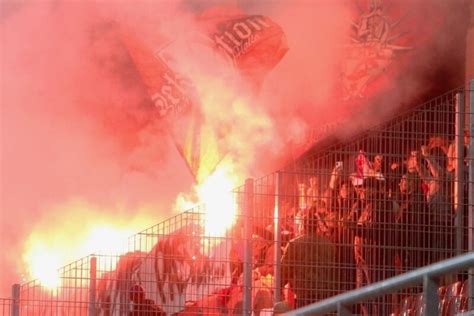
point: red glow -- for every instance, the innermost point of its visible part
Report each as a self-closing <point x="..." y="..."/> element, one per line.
<point x="76" y="125"/>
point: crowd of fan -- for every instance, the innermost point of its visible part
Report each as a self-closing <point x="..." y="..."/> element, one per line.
<point x="385" y="218"/>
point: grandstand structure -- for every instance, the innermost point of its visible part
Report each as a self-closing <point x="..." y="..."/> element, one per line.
<point x="396" y="198"/>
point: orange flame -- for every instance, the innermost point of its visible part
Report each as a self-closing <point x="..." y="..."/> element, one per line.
<point x="44" y="264"/>
<point x="216" y="194"/>
<point x="59" y="243"/>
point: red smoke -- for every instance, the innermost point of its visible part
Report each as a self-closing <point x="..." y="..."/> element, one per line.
<point x="74" y="130"/>
<point x="76" y="123"/>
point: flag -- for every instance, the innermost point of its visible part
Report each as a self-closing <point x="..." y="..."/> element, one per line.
<point x="177" y="104"/>
<point x="169" y="91"/>
<point x="254" y="44"/>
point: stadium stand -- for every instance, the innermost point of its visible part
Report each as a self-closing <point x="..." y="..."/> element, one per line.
<point x="355" y="212"/>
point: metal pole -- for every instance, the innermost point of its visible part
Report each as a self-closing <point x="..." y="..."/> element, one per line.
<point x="470" y="233"/>
<point x="15" y="311"/>
<point x="459" y="176"/>
<point x="414" y="277"/>
<point x="277" y="237"/>
<point x="248" y="214"/>
<point x="430" y="296"/>
<point x="92" y="286"/>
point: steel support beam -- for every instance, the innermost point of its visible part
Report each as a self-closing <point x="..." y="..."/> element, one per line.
<point x="248" y="214"/>
<point x="277" y="237"/>
<point x="92" y="286"/>
<point x="459" y="178"/>
<point x="15" y="311"/>
<point x="470" y="218"/>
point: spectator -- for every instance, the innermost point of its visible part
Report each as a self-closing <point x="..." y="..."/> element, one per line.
<point x="334" y="185"/>
<point x="362" y="209"/>
<point x="327" y="217"/>
<point x="449" y="149"/>
<point x="366" y="169"/>
<point x="342" y="206"/>
<point x="308" y="265"/>
<point x="409" y="210"/>
<point x="412" y="162"/>
<point x="342" y="203"/>
<point x="298" y="221"/>
<point x="287" y="219"/>
<point x="326" y="221"/>
<point x="141" y="305"/>
<point x="317" y="195"/>
<point x="263" y="252"/>
<point x="313" y="193"/>
<point x="374" y="238"/>
<point x="262" y="300"/>
<point x="236" y="252"/>
<point x="377" y="164"/>
<point x="438" y="206"/>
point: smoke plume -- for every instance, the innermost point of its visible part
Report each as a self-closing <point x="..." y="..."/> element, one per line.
<point x="81" y="144"/>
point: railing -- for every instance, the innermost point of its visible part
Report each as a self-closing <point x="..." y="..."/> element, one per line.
<point x="6" y="306"/>
<point x="427" y="275"/>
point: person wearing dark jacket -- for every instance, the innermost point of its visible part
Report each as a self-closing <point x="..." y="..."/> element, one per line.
<point x="375" y="239"/>
<point x="309" y="264"/>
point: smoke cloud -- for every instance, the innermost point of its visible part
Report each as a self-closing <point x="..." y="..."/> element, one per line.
<point x="80" y="144"/>
<point x="75" y="131"/>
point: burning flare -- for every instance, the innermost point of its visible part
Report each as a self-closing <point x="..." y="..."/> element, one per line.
<point x="44" y="262"/>
<point x="216" y="194"/>
<point x="59" y="243"/>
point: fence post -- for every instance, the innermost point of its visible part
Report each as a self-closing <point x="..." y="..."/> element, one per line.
<point x="277" y="236"/>
<point x="459" y="179"/>
<point x="430" y="296"/>
<point x="248" y="214"/>
<point x="15" y="311"/>
<point x="92" y="285"/>
<point x="470" y="234"/>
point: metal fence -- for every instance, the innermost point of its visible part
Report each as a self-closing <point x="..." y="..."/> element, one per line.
<point x="6" y="306"/>
<point x="395" y="199"/>
<point x="433" y="300"/>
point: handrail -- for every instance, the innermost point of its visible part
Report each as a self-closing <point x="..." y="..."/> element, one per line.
<point x="417" y="276"/>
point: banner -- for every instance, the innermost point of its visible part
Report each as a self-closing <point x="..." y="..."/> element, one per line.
<point x="177" y="104"/>
<point x="254" y="44"/>
<point x="182" y="266"/>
